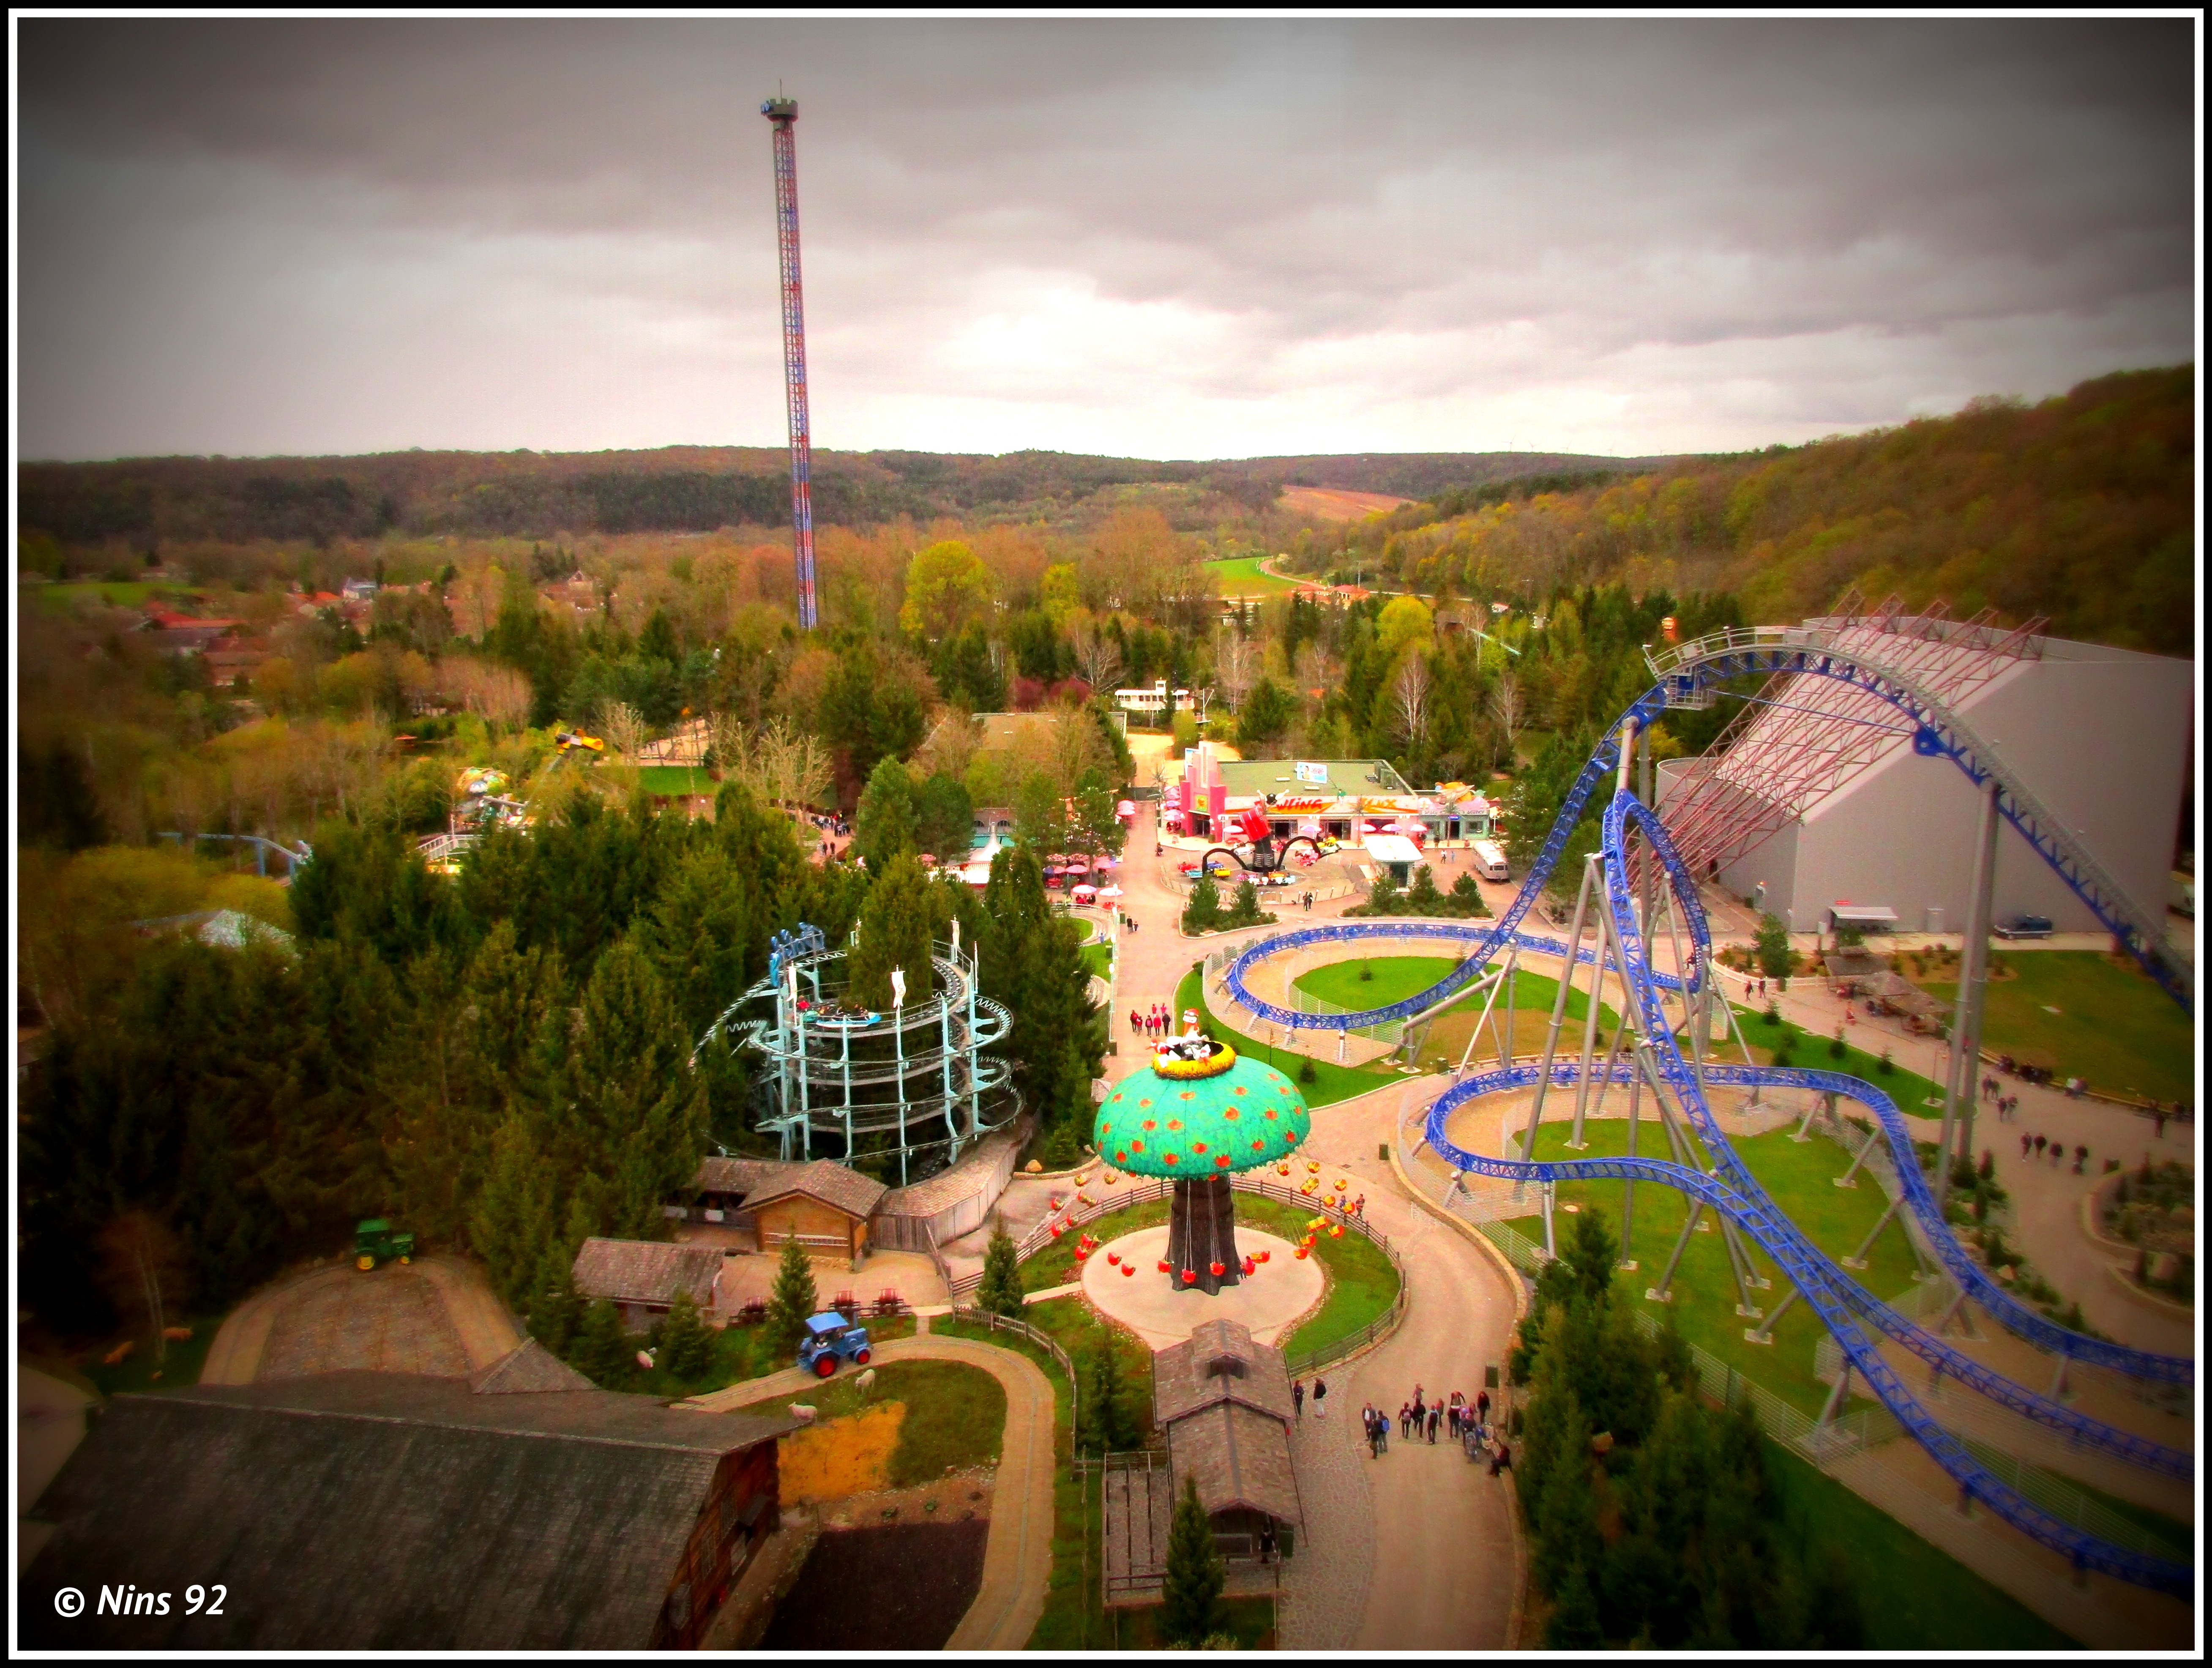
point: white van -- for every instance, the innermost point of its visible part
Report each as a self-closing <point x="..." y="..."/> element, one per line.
<point x="1489" y="861"/>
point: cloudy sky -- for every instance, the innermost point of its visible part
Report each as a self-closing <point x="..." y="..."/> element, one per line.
<point x="1151" y="238"/>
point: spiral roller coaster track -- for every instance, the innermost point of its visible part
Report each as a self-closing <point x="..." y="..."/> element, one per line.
<point x="1633" y="838"/>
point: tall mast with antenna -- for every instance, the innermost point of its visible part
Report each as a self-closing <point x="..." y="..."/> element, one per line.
<point x="783" y="114"/>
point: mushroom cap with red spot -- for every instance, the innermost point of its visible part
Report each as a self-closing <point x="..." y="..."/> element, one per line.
<point x="1210" y="1138"/>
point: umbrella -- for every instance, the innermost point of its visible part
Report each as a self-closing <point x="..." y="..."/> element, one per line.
<point x="1127" y="808"/>
<point x="1110" y="891"/>
<point x="1086" y="894"/>
<point x="1079" y="865"/>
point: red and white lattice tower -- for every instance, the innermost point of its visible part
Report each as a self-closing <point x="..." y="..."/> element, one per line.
<point x="782" y="113"/>
<point x="1802" y="737"/>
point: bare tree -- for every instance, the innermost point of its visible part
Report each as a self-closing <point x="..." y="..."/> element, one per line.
<point x="143" y="1267"/>
<point x="732" y="744"/>
<point x="1505" y="707"/>
<point x="1235" y="665"/>
<point x="1410" y="695"/>
<point x="624" y="727"/>
<point x="952" y="746"/>
<point x="795" y="768"/>
<point x="1097" y="656"/>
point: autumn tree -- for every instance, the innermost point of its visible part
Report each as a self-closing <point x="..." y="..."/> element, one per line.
<point x="946" y="585"/>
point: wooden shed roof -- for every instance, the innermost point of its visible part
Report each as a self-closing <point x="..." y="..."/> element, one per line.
<point x="646" y="1270"/>
<point x="367" y="1511"/>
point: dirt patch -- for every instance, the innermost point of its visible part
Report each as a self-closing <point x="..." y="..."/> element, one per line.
<point x="957" y="1497"/>
<point x="392" y="1320"/>
<point x="899" y="1586"/>
<point x="848" y="1456"/>
<point x="1336" y="503"/>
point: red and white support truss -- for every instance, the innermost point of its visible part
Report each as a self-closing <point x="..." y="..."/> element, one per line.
<point x="1801" y="738"/>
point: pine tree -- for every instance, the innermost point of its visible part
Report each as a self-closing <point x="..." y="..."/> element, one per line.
<point x="885" y="825"/>
<point x="895" y="928"/>
<point x="1772" y="947"/>
<point x="1196" y="1573"/>
<point x="1244" y="905"/>
<point x="1423" y="898"/>
<point x="1000" y="1292"/>
<point x="686" y="1343"/>
<point x="1203" y="913"/>
<point x="556" y="1310"/>
<point x="792" y="1300"/>
<point x="601" y="1352"/>
<point x="513" y="1223"/>
<point x="1574" y="1624"/>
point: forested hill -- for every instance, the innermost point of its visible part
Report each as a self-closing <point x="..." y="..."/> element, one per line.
<point x="2079" y="508"/>
<point x="676" y="488"/>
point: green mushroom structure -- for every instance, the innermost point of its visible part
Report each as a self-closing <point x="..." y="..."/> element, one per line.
<point x="1196" y="1119"/>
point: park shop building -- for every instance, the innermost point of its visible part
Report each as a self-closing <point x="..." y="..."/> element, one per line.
<point x="1338" y="799"/>
<point x="2101" y="736"/>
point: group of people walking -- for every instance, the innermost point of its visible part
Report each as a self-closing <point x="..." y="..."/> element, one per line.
<point x="2034" y="1145"/>
<point x="1158" y="1020"/>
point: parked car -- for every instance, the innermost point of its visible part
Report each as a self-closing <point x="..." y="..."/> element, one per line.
<point x="2025" y="925"/>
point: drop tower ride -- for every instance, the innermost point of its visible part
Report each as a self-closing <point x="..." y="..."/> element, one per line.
<point x="783" y="114"/>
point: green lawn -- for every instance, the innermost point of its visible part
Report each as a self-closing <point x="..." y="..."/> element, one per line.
<point x="1396" y="978"/>
<point x="672" y="779"/>
<point x="1099" y="958"/>
<point x="1241" y="577"/>
<point x="1362" y="1284"/>
<point x="1913" y="1092"/>
<point x="956" y="1416"/>
<point x="2113" y="1027"/>
<point x="742" y="1353"/>
<point x="133" y="594"/>
<point x="137" y="1371"/>
<point x="1799" y="1176"/>
<point x="1915" y="1598"/>
<point x="1331" y="1082"/>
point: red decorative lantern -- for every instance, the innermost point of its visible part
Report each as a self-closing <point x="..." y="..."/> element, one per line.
<point x="1301" y="1253"/>
<point x="1190" y="1276"/>
<point x="1055" y="1230"/>
<point x="1114" y="1259"/>
<point x="1336" y="1231"/>
<point x="1264" y="1256"/>
<point x="1128" y="1268"/>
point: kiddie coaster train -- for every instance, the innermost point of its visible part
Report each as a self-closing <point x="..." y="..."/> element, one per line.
<point x="1635" y="882"/>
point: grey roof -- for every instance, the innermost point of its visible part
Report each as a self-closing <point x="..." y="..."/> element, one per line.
<point x="1220" y="1362"/>
<point x="830" y="1183"/>
<point x="529" y="1369"/>
<point x="646" y="1270"/>
<point x="370" y="1511"/>
<point x="1239" y="1456"/>
<point x="743" y="1177"/>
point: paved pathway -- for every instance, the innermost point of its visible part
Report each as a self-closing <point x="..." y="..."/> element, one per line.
<point x="49" y="1421"/>
<point x="1413" y="1551"/>
<point x="1017" y="1557"/>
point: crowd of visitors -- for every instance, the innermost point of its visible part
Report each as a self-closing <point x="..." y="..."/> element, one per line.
<point x="1466" y="1423"/>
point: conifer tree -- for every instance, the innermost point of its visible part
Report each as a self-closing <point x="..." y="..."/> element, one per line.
<point x="792" y="1299"/>
<point x="1574" y="1623"/>
<point x="556" y="1310"/>
<point x="1000" y="1291"/>
<point x="1203" y="912"/>
<point x="601" y="1352"/>
<point x="1196" y="1573"/>
<point x="1423" y="898"/>
<point x="513" y="1225"/>
<point x="885" y="825"/>
<point x="896" y="927"/>
<point x="686" y="1343"/>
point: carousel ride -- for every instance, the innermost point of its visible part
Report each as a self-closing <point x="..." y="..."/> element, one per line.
<point x="901" y="1091"/>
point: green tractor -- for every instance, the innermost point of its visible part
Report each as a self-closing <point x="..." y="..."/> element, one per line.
<point x="375" y="1242"/>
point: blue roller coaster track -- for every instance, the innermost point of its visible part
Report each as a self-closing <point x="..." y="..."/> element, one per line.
<point x="1853" y="1316"/>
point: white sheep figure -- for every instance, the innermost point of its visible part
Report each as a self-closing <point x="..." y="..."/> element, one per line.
<point x="867" y="1381"/>
<point x="801" y="1412"/>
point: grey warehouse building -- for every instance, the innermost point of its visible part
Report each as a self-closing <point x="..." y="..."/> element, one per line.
<point x="1817" y="797"/>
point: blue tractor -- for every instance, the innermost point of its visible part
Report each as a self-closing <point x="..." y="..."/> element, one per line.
<point x="829" y="1337"/>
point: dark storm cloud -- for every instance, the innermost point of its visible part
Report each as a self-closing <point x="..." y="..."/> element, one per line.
<point x="1152" y="236"/>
